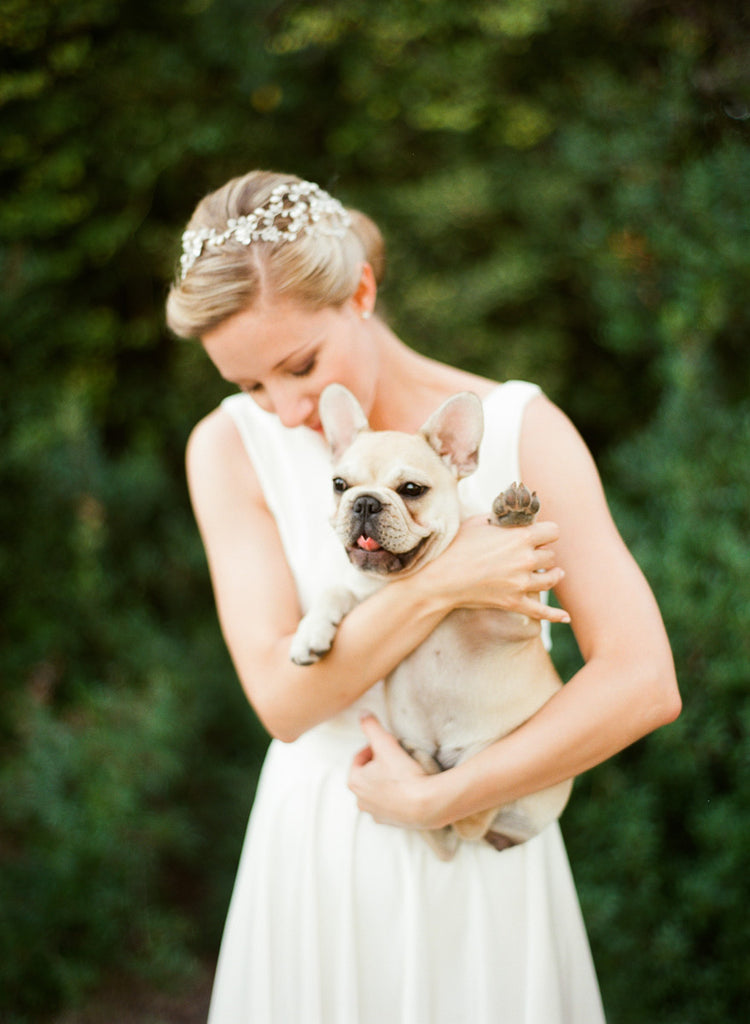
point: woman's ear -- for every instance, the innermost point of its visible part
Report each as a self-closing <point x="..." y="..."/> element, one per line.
<point x="366" y="292"/>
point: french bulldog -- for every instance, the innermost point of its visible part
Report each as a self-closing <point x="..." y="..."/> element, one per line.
<point x="481" y="673"/>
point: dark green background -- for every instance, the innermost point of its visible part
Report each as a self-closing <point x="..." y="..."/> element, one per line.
<point x="564" y="188"/>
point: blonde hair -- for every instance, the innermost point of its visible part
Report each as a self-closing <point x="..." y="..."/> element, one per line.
<point x="315" y="269"/>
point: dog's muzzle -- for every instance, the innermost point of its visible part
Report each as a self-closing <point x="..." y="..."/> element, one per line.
<point x="368" y="546"/>
<point x="365" y="507"/>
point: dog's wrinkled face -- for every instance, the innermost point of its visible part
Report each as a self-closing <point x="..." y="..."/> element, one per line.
<point x="396" y="494"/>
<point x="396" y="503"/>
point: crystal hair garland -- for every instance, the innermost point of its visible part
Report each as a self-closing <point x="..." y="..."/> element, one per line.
<point x="291" y="208"/>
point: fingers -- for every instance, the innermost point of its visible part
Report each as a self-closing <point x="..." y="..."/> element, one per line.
<point x="537" y="610"/>
<point x="383" y="750"/>
<point x="369" y="725"/>
<point x="362" y="757"/>
<point x="545" y="532"/>
<point x="544" y="559"/>
<point x="375" y="733"/>
<point x="545" y="579"/>
<point x="505" y="568"/>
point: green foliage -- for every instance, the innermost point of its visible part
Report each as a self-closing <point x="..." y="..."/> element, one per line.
<point x="679" y="802"/>
<point x="118" y="686"/>
<point x="87" y="812"/>
<point x="563" y="187"/>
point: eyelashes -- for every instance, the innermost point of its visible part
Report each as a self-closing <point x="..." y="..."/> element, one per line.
<point x="307" y="369"/>
<point x="303" y="371"/>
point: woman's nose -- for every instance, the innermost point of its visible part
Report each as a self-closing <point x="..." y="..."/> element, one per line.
<point x="292" y="409"/>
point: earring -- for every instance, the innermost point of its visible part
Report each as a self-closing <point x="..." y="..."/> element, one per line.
<point x="366" y="314"/>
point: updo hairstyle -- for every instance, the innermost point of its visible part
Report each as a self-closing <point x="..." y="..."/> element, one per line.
<point x="315" y="269"/>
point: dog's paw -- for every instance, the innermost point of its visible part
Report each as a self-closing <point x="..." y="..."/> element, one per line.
<point x="516" y="506"/>
<point x="312" y="641"/>
<point x="317" y="630"/>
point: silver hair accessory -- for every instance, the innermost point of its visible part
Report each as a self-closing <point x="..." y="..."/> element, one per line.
<point x="292" y="208"/>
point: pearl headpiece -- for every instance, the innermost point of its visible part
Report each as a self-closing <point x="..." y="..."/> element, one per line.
<point x="292" y="208"/>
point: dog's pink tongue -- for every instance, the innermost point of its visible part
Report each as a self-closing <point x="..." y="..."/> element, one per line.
<point x="368" y="544"/>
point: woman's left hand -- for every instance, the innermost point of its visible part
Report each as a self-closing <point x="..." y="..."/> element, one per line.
<point x="388" y="783"/>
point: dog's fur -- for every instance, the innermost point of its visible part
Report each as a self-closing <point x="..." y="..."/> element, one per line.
<point x="481" y="673"/>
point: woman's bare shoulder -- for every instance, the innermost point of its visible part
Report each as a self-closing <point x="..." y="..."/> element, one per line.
<point x="550" y="440"/>
<point x="212" y="434"/>
<point x="217" y="461"/>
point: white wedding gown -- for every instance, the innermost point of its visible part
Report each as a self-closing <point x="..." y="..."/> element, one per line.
<point x="335" y="919"/>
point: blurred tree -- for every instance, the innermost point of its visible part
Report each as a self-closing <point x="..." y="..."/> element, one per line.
<point x="563" y="187"/>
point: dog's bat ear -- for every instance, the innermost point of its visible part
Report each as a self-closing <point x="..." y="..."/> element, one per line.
<point x="455" y="432"/>
<point x="341" y="417"/>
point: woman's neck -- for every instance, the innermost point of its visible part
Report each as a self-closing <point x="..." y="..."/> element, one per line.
<point x="411" y="386"/>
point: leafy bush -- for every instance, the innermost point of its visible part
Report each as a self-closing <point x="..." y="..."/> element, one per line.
<point x="658" y="835"/>
<point x="563" y="189"/>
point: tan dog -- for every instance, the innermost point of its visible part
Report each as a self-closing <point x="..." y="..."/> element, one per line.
<point x="480" y="674"/>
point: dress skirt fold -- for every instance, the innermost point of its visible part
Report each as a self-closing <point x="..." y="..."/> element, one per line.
<point x="338" y="920"/>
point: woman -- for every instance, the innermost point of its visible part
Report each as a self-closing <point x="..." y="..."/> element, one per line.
<point x="338" y="917"/>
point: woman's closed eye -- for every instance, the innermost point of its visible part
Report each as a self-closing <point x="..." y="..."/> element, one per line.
<point x="306" y="368"/>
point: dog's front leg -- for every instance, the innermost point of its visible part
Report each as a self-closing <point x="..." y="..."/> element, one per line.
<point x="317" y="629"/>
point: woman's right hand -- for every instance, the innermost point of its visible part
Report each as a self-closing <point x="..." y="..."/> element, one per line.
<point x="488" y="566"/>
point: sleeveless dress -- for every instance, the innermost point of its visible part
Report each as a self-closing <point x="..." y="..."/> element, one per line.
<point x="335" y="919"/>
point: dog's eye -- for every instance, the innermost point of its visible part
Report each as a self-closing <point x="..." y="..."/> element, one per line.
<point x="340" y="485"/>
<point x="411" y="490"/>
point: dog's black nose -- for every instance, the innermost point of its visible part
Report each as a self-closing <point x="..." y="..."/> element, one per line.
<point x="366" y="505"/>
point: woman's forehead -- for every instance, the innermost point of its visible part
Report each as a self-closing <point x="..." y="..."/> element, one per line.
<point x="258" y="341"/>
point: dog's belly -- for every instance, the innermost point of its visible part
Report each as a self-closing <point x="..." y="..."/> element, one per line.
<point x="479" y="675"/>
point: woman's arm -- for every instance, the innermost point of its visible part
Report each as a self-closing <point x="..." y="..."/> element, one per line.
<point x="257" y="602"/>
<point x="626" y="688"/>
